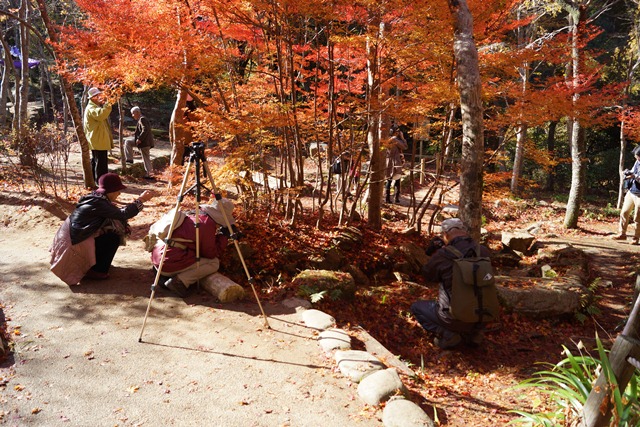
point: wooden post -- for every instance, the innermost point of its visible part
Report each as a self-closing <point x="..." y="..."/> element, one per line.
<point x="597" y="408"/>
<point x="422" y="169"/>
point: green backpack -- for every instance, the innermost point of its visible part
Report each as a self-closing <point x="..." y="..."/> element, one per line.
<point x="474" y="298"/>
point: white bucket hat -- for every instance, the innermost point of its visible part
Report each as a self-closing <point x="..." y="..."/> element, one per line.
<point x="93" y="92"/>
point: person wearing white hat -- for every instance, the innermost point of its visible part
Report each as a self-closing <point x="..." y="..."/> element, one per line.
<point x="98" y="131"/>
<point x="435" y="316"/>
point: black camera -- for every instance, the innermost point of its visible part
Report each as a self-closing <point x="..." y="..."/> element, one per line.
<point x="434" y="245"/>
<point x="627" y="172"/>
<point x="196" y="149"/>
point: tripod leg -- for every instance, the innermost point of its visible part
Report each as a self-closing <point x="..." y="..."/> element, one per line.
<point x="235" y="243"/>
<point x="173" y="224"/>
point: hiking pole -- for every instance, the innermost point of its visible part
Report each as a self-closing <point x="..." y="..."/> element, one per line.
<point x="234" y="238"/>
<point x="167" y="242"/>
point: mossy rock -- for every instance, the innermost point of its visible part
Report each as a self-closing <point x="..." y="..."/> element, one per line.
<point x="337" y="284"/>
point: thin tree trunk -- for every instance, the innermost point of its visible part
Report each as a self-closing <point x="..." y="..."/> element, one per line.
<point x="551" y="148"/>
<point x="376" y="168"/>
<point x="23" y="112"/>
<point x="177" y="131"/>
<point x="470" y="87"/>
<point x="521" y="137"/>
<point x="7" y="70"/>
<point x="71" y="105"/>
<point x="46" y="108"/>
<point x="123" y="163"/>
<point x="623" y="149"/>
<point x="577" y="133"/>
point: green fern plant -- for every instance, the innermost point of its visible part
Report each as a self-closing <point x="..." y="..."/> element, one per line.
<point x="568" y="384"/>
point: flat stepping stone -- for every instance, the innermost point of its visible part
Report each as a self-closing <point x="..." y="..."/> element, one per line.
<point x="334" y="339"/>
<point x="317" y="319"/>
<point x="356" y="364"/>
<point x="380" y="386"/>
<point x="399" y="412"/>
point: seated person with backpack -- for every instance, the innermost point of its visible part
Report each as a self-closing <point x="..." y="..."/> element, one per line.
<point x="467" y="296"/>
<point x="181" y="267"/>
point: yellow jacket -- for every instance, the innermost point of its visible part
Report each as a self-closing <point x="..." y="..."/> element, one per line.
<point x="96" y="126"/>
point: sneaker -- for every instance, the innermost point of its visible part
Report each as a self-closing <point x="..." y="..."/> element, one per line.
<point x="95" y="275"/>
<point x="620" y="236"/>
<point x="448" y="340"/>
<point x="176" y="286"/>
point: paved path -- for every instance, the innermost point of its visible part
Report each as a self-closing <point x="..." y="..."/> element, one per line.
<point x="78" y="362"/>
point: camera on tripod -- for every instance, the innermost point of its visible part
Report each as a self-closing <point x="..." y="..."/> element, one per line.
<point x="196" y="149"/>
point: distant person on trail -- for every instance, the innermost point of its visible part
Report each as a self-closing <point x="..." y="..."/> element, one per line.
<point x="181" y="268"/>
<point x="631" y="202"/>
<point x="143" y="140"/>
<point x="395" y="161"/>
<point x="435" y="316"/>
<point x="86" y="243"/>
<point x="98" y="131"/>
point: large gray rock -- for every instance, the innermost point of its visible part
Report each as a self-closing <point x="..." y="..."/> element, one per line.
<point x="380" y="386"/>
<point x="358" y="275"/>
<point x="399" y="412"/>
<point x="414" y="255"/>
<point x="518" y="240"/>
<point x="333" y="339"/>
<point x="356" y="364"/>
<point x="317" y="319"/>
<point x="338" y="284"/>
<point x="541" y="297"/>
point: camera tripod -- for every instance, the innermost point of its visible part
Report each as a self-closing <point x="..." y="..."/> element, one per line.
<point x="198" y="158"/>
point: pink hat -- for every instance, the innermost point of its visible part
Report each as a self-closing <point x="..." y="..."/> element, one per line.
<point x="110" y="183"/>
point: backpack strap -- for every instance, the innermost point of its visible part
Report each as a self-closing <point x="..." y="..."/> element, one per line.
<point x="454" y="251"/>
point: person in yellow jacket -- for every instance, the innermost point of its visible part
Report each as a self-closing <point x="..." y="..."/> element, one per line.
<point x="98" y="131"/>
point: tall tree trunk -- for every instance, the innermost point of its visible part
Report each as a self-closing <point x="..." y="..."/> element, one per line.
<point x="76" y="117"/>
<point x="23" y="114"/>
<point x="551" y="148"/>
<point x="178" y="134"/>
<point x="518" y="160"/>
<point x="46" y="110"/>
<point x="577" y="133"/>
<point x="470" y="87"/>
<point x="7" y="70"/>
<point x="521" y="137"/>
<point x="623" y="149"/>
<point x="376" y="168"/>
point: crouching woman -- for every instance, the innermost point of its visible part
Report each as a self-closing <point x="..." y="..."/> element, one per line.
<point x="184" y="262"/>
<point x="86" y="243"/>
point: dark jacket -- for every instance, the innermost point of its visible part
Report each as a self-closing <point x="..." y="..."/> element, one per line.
<point x="91" y="212"/>
<point x="635" y="184"/>
<point x="143" y="135"/>
<point x="439" y="268"/>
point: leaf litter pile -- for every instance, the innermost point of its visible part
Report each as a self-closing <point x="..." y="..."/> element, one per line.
<point x="462" y="387"/>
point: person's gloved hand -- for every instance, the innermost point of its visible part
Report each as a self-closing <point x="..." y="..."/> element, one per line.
<point x="434" y="245"/>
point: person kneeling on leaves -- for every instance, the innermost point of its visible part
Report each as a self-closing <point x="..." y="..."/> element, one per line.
<point x="180" y="268"/>
<point x="437" y="316"/>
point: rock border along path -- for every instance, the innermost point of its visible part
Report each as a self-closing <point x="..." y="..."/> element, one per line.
<point x="376" y="382"/>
